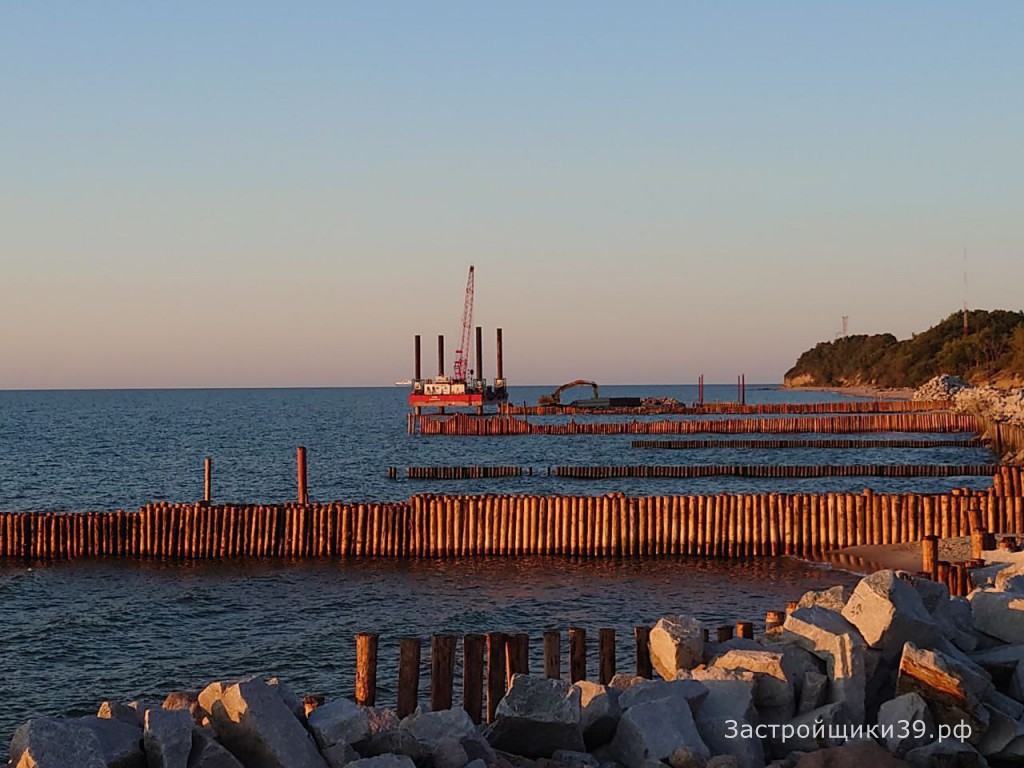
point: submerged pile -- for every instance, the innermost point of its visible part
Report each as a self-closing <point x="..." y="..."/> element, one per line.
<point x="893" y="673"/>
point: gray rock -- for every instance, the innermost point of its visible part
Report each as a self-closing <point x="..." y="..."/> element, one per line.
<point x="986" y="576"/>
<point x="723" y="761"/>
<point x="1012" y="754"/>
<point x="383" y="761"/>
<point x="120" y="742"/>
<point x="449" y="753"/>
<point x="686" y="757"/>
<point x="684" y="689"/>
<point x="833" y="598"/>
<point x="949" y="753"/>
<point x="811" y="730"/>
<point x="653" y="731"/>
<point x="399" y="742"/>
<point x="853" y="754"/>
<point x="621" y="682"/>
<point x="676" y="642"/>
<point x="255" y="724"/>
<point x="208" y="753"/>
<point x="600" y="713"/>
<point x="340" y="755"/>
<point x="730" y="698"/>
<point x="1010" y="578"/>
<point x="478" y="748"/>
<point x="428" y="728"/>
<point x="185" y="701"/>
<point x="934" y="596"/>
<point x="1001" y="660"/>
<point x="1009" y="707"/>
<point x="812" y="692"/>
<point x="773" y="689"/>
<point x="381" y="719"/>
<point x="575" y="759"/>
<point x="735" y="644"/>
<point x="951" y="617"/>
<point x="212" y="694"/>
<point x="536" y="717"/>
<point x="49" y="743"/>
<point x="112" y="710"/>
<point x="1002" y="729"/>
<point x="954" y="690"/>
<point x="900" y="716"/>
<point x="168" y="738"/>
<point x="339" y="722"/>
<point x="835" y="640"/>
<point x="888" y="612"/>
<point x="999" y="614"/>
<point x="289" y="697"/>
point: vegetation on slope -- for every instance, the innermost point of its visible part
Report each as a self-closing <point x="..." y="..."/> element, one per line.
<point x="993" y="350"/>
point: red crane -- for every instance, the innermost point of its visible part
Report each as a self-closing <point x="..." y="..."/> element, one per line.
<point x="462" y="353"/>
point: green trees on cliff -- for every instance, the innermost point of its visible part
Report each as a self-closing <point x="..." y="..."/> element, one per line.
<point x="994" y="346"/>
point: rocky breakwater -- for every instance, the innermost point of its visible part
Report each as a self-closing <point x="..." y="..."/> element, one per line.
<point x="891" y="673"/>
<point x="999" y="405"/>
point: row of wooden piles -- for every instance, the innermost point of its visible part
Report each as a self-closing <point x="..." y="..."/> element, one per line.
<point x="489" y="660"/>
<point x="722" y="525"/>
<point x="702" y="470"/>
<point x="783" y="443"/>
<point x="778" y="471"/>
<point x="490" y="425"/>
<point x="867" y="406"/>
<point x="473" y="472"/>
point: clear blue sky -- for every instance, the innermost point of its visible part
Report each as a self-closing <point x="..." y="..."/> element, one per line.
<point x="272" y="194"/>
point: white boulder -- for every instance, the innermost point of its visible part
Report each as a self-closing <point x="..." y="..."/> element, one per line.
<point x="676" y="643"/>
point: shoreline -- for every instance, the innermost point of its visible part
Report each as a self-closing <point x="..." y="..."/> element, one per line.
<point x="865" y="559"/>
<point x="879" y="393"/>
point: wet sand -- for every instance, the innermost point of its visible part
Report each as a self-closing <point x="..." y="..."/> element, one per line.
<point x="902" y="557"/>
<point x="865" y="391"/>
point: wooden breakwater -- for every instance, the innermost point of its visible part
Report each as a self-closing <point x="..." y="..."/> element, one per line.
<point x="777" y="471"/>
<point x="490" y="660"/>
<point x="466" y="424"/>
<point x="1008" y="481"/>
<point x="783" y="443"/>
<point x="1005" y="439"/>
<point x="474" y="472"/>
<point x="844" y="406"/>
<point x="701" y="470"/>
<point x="446" y="526"/>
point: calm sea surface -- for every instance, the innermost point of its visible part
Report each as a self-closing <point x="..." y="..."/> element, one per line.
<point x="72" y="634"/>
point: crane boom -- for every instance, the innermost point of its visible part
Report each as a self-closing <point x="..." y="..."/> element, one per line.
<point x="462" y="353"/>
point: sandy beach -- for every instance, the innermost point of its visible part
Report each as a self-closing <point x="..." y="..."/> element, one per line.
<point x="904" y="393"/>
<point x="903" y="557"/>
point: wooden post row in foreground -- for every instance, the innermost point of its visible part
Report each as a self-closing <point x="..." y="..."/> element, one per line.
<point x="489" y="661"/>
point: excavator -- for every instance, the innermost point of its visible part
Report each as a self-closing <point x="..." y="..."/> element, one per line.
<point x="555" y="398"/>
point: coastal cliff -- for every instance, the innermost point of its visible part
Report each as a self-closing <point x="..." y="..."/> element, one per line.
<point x="992" y="353"/>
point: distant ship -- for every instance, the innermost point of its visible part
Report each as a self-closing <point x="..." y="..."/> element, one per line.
<point x="403" y="383"/>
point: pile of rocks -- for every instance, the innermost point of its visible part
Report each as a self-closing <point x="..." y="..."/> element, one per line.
<point x="873" y="676"/>
<point x="996" y="404"/>
<point x="942" y="387"/>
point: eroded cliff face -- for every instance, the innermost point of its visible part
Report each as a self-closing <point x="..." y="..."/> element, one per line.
<point x="800" y="380"/>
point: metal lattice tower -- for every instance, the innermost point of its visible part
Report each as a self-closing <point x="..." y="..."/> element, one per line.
<point x="462" y="353"/>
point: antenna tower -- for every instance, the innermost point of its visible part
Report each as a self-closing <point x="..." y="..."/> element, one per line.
<point x="965" y="291"/>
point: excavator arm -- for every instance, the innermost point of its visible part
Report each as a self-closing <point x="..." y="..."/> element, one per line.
<point x="555" y="398"/>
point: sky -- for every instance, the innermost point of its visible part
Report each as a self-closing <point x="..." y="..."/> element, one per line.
<point x="198" y="194"/>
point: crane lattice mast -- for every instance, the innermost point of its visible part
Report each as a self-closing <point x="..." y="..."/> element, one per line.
<point x="462" y="353"/>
